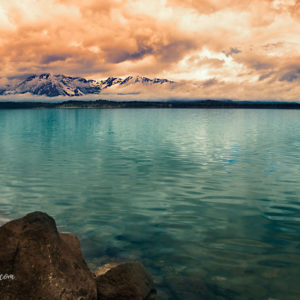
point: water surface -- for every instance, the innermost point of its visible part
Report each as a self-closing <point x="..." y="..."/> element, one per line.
<point x="202" y="195"/>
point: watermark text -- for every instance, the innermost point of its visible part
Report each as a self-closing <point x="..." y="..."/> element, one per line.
<point x="7" y="277"/>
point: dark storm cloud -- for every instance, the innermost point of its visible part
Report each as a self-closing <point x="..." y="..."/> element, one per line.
<point x="52" y="58"/>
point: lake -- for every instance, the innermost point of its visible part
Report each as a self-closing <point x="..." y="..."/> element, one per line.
<point x="199" y="196"/>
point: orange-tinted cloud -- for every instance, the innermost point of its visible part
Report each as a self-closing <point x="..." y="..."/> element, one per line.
<point x="226" y="45"/>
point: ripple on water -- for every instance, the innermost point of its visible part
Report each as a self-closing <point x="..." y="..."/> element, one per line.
<point x="201" y="197"/>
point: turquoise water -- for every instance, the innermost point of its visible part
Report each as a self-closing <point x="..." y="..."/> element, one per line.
<point x="208" y="196"/>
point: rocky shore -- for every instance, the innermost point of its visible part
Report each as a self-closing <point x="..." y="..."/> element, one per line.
<point x="38" y="262"/>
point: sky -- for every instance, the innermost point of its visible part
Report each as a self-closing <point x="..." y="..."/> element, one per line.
<point x="240" y="49"/>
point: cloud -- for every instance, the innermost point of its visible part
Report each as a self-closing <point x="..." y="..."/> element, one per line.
<point x="224" y="42"/>
<point x="265" y="76"/>
<point x="209" y="82"/>
<point x="232" y="51"/>
<point x="52" y="58"/>
<point x="291" y="74"/>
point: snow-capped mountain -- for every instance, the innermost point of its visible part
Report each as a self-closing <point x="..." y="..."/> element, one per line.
<point x="55" y="85"/>
<point x="133" y="80"/>
<point x="60" y="85"/>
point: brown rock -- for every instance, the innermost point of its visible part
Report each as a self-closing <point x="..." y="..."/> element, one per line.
<point x="124" y="281"/>
<point x="44" y="263"/>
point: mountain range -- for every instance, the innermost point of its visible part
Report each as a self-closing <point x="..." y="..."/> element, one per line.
<point x="60" y="85"/>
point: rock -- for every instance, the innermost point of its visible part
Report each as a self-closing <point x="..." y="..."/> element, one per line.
<point x="44" y="263"/>
<point x="38" y="262"/>
<point x="190" y="289"/>
<point x="196" y="289"/>
<point x="124" y="281"/>
<point x="72" y="241"/>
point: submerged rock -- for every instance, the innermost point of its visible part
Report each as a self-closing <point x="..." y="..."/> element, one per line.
<point x="128" y="281"/>
<point x="196" y="289"/>
<point x="38" y="262"/>
<point x="44" y="263"/>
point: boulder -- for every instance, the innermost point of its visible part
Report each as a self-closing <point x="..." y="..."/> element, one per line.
<point x="42" y="263"/>
<point x="38" y="262"/>
<point x="124" y="281"/>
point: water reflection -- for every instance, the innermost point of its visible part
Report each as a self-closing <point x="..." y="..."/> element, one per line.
<point x="201" y="197"/>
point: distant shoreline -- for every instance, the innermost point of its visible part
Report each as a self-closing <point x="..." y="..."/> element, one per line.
<point x="106" y="104"/>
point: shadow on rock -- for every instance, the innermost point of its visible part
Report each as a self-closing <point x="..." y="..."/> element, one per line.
<point x="38" y="262"/>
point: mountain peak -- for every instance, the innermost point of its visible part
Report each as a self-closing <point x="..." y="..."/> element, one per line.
<point x="45" y="76"/>
<point x="51" y="85"/>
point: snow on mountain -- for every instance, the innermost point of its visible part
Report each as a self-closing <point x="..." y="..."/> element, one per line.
<point x="60" y="85"/>
<point x="133" y="80"/>
<point x="56" y="85"/>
